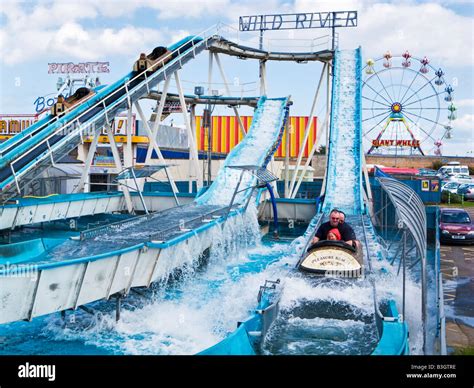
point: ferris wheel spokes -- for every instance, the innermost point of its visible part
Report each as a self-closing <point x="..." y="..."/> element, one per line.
<point x="373" y="117"/>
<point x="415" y="124"/>
<point x="422" y="117"/>
<point x="383" y="86"/>
<point x="377" y="102"/>
<point x="375" y="126"/>
<point x="377" y="93"/>
<point x="422" y="99"/>
<point x="420" y="89"/>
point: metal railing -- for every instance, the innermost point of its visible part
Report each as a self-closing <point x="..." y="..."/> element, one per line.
<point x="411" y="218"/>
<point x="100" y="230"/>
<point x="161" y="236"/>
<point x="302" y="45"/>
<point x="207" y="36"/>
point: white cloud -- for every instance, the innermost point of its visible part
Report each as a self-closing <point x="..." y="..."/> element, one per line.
<point x="462" y="140"/>
<point x="465" y="123"/>
<point x="423" y="29"/>
<point x="465" y="103"/>
<point x="73" y="41"/>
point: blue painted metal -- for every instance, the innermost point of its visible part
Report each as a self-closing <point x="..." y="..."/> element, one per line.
<point x="30" y="251"/>
<point x="275" y="210"/>
<point x="394" y="339"/>
<point x="394" y="334"/>
<point x="238" y="343"/>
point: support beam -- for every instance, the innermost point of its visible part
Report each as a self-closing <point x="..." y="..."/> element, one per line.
<point x="118" y="165"/>
<point x="263" y="77"/>
<point x="159" y="113"/>
<point x="274" y="183"/>
<point x="308" y="161"/>
<point x="209" y="74"/>
<point x="287" y="159"/>
<point x="193" y="129"/>
<point x="90" y="157"/>
<point x="128" y="150"/>
<point x="307" y="129"/>
<point x="370" y="201"/>
<point x="326" y="128"/>
<point x="192" y="138"/>
<point x="227" y="90"/>
<point x="153" y="143"/>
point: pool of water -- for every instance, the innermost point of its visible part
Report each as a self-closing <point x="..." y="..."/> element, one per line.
<point x="194" y="309"/>
<point x="323" y="317"/>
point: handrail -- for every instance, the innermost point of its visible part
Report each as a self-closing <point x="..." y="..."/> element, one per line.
<point x="91" y="233"/>
<point x="67" y="110"/>
<point x="201" y="217"/>
<point x="369" y="263"/>
<point x="124" y="87"/>
<point x="100" y="102"/>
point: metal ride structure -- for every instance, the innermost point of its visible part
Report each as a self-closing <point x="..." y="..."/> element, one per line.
<point x="55" y="137"/>
<point x="407" y="106"/>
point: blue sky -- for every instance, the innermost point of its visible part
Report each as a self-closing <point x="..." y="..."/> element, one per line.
<point x="34" y="33"/>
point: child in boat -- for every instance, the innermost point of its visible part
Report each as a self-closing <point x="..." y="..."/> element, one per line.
<point x="334" y="235"/>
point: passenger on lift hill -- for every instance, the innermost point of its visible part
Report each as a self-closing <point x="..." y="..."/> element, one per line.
<point x="346" y="232"/>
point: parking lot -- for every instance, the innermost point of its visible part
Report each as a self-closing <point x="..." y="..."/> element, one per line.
<point x="457" y="266"/>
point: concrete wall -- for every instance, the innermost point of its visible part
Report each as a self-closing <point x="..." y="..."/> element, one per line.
<point x="399" y="161"/>
<point x="417" y="161"/>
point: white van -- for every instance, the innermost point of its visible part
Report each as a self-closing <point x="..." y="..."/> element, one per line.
<point x="453" y="168"/>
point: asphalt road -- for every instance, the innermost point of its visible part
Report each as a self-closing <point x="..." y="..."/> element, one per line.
<point x="457" y="266"/>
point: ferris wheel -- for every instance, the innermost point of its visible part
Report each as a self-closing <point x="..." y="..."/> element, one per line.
<point x="407" y="106"/>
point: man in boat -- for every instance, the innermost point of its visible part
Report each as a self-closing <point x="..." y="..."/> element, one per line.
<point x="346" y="231"/>
<point x="342" y="220"/>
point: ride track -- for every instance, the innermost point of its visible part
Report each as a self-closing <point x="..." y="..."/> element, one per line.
<point x="272" y="329"/>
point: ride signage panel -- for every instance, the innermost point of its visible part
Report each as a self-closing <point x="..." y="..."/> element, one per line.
<point x="398" y="143"/>
<point x="78" y="68"/>
<point x="13" y="124"/>
<point x="298" y="21"/>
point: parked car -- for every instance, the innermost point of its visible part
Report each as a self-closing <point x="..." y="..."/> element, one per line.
<point x="452" y="187"/>
<point x="456" y="226"/>
<point x="467" y="190"/>
<point x="461" y="178"/>
<point x="453" y="168"/>
<point x="427" y="172"/>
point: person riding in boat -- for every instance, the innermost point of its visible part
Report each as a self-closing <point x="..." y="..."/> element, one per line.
<point x="345" y="230"/>
<point x="334" y="235"/>
<point x="342" y="220"/>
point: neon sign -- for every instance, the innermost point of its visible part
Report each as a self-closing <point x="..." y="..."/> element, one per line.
<point x="78" y="68"/>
